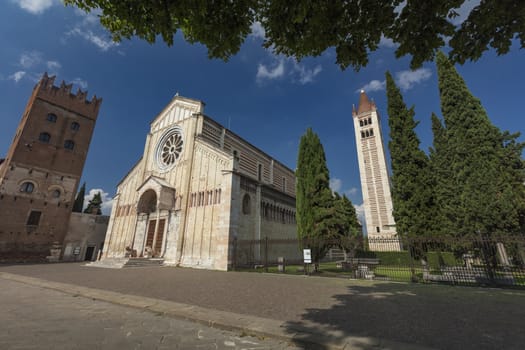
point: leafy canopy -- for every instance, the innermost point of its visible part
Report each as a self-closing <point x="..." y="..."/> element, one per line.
<point x="304" y="28"/>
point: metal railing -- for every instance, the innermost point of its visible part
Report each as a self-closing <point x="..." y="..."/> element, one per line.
<point x="471" y="260"/>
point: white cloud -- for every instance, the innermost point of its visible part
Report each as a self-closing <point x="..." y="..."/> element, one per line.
<point x="387" y="42"/>
<point x="30" y="59"/>
<point x="17" y="76"/>
<point x="336" y="184"/>
<point x="35" y="6"/>
<point x="89" y="18"/>
<point x="53" y="65"/>
<point x="464" y="11"/>
<point x="80" y="82"/>
<point x="265" y="73"/>
<point x="360" y="211"/>
<point x="306" y="75"/>
<point x="102" y="43"/>
<point x="107" y="201"/>
<point x="258" y="30"/>
<point x="351" y="191"/>
<point x="408" y="78"/>
<point x="373" y="85"/>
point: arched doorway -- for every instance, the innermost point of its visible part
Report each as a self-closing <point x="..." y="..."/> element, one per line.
<point x="148" y="205"/>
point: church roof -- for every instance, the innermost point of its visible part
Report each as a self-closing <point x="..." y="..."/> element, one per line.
<point x="156" y="179"/>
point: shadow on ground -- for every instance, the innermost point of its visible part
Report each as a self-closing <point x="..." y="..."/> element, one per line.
<point x="435" y="316"/>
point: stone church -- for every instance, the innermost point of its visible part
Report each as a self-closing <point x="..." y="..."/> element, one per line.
<point x="197" y="188"/>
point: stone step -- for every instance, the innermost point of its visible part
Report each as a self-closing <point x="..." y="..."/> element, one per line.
<point x="144" y="262"/>
<point x="110" y="263"/>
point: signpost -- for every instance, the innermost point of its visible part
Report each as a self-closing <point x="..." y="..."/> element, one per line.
<point x="307" y="255"/>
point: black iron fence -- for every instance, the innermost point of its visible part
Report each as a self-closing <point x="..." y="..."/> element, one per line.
<point x="473" y="260"/>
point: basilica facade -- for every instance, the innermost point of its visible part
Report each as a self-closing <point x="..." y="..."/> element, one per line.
<point x="198" y="187"/>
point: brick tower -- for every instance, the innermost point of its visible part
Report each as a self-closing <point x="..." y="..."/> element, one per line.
<point x="40" y="174"/>
<point x="375" y="182"/>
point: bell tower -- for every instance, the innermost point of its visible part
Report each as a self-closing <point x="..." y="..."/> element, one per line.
<point x="40" y="174"/>
<point x="375" y="182"/>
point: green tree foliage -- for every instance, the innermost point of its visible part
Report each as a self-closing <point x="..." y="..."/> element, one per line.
<point x="347" y="229"/>
<point x="94" y="205"/>
<point x="324" y="220"/>
<point x="308" y="28"/>
<point x="79" y="200"/>
<point x="314" y="200"/>
<point x="484" y="191"/>
<point x="411" y="180"/>
<point x="442" y="179"/>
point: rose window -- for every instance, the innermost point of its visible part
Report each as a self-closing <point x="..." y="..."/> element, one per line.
<point x="169" y="149"/>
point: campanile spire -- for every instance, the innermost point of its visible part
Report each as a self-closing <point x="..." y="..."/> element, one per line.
<point x="375" y="182"/>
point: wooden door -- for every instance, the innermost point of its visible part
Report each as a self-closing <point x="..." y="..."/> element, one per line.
<point x="160" y="236"/>
<point x="151" y="233"/>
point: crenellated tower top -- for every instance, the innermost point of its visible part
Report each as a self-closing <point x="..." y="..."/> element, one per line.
<point x="62" y="95"/>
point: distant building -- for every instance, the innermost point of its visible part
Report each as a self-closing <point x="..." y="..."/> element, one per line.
<point x="197" y="188"/>
<point x="375" y="182"/>
<point x="40" y="174"/>
<point x="85" y="237"/>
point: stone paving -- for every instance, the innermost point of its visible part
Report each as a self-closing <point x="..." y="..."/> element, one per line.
<point x="326" y="312"/>
<point x="33" y="317"/>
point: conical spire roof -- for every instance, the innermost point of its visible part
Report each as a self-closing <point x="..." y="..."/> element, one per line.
<point x="365" y="105"/>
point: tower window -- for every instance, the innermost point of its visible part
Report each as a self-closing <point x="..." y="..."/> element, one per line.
<point x="363" y="134"/>
<point x="44" y="137"/>
<point x="371" y="132"/>
<point x="52" y="118"/>
<point x="284" y="184"/>
<point x="259" y="172"/>
<point x="367" y="133"/>
<point x="366" y="122"/>
<point x="34" y="218"/>
<point x="75" y="126"/>
<point x="377" y="229"/>
<point x="27" y="187"/>
<point x="246" y="204"/>
<point x="55" y="194"/>
<point x="69" y="144"/>
<point x="370" y="121"/>
<point x="360" y="123"/>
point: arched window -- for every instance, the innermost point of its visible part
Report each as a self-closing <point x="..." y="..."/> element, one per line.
<point x="367" y="133"/>
<point x="360" y="123"/>
<point x="69" y="144"/>
<point x="44" y="137"/>
<point x="371" y="132"/>
<point x="75" y="126"/>
<point x="370" y="121"/>
<point x="366" y="122"/>
<point x="246" y="204"/>
<point x="27" y="187"/>
<point x="52" y="118"/>
<point x="362" y="134"/>
<point x="55" y="194"/>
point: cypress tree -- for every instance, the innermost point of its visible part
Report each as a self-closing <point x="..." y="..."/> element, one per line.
<point x="487" y="191"/>
<point x="442" y="179"/>
<point x="94" y="205"/>
<point x="348" y="228"/>
<point x="314" y="199"/>
<point x="79" y="200"/>
<point x="411" y="183"/>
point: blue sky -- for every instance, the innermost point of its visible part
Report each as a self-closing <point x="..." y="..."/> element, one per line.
<point x="269" y="100"/>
